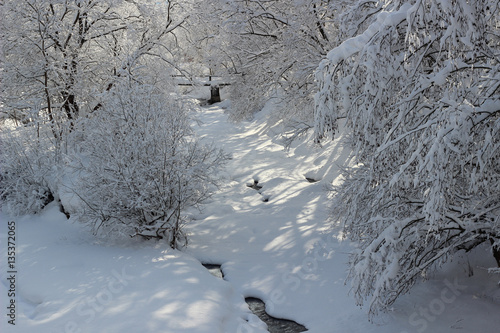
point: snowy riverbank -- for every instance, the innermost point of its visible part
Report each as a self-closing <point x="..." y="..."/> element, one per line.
<point x="273" y="243"/>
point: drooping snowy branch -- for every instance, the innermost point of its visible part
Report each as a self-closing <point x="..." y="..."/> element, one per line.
<point x="420" y="90"/>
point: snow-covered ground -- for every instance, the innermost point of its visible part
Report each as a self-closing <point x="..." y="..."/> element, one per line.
<point x="273" y="243"/>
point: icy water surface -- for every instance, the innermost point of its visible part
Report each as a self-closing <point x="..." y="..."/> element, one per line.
<point x="258" y="307"/>
<point x="214" y="270"/>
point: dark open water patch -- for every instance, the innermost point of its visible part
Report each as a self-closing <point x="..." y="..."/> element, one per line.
<point x="255" y="185"/>
<point x="215" y="270"/>
<point x="274" y="325"/>
<point x="258" y="307"/>
<point x="312" y="180"/>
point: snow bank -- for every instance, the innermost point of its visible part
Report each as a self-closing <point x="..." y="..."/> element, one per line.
<point x="67" y="282"/>
<point x="280" y="250"/>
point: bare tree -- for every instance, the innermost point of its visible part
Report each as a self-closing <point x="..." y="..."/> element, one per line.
<point x="61" y="56"/>
<point x="60" y="61"/>
<point x="271" y="49"/>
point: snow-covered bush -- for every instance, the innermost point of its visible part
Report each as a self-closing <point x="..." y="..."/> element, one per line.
<point x="27" y="161"/>
<point x="141" y="166"/>
<point x="419" y="86"/>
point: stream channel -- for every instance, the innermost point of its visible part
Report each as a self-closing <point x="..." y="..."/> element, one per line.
<point x="258" y="307"/>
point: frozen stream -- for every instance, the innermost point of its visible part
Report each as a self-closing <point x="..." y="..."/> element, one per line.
<point x="258" y="307"/>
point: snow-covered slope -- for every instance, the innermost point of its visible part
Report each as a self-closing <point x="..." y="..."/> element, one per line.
<point x="273" y="243"/>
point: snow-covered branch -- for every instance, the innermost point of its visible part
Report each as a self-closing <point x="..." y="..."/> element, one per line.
<point x="419" y="88"/>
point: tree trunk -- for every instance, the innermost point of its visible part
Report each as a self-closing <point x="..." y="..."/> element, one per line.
<point x="214" y="95"/>
<point x="496" y="252"/>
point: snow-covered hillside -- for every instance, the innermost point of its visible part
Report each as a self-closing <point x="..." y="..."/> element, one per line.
<point x="268" y="227"/>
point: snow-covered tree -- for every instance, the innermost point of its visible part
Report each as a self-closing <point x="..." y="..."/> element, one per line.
<point x="419" y="85"/>
<point x="60" y="56"/>
<point x="141" y="165"/>
<point x="59" y="60"/>
<point x="272" y="49"/>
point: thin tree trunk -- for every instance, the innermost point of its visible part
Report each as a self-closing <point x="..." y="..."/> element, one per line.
<point x="496" y="252"/>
